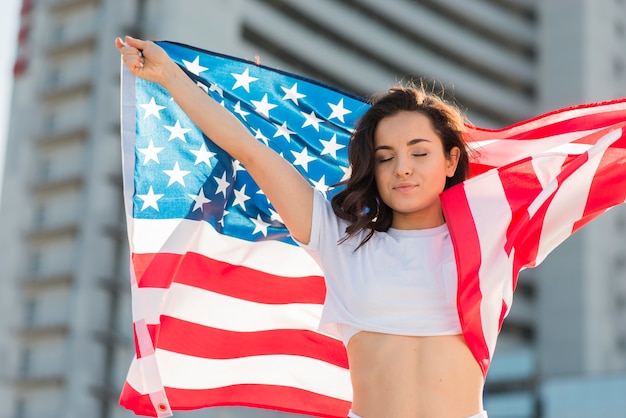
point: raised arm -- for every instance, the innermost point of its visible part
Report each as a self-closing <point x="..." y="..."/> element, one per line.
<point x="289" y="192"/>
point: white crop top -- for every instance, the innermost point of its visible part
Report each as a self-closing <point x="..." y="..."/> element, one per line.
<point x="400" y="282"/>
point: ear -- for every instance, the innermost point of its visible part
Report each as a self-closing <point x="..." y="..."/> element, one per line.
<point x="452" y="160"/>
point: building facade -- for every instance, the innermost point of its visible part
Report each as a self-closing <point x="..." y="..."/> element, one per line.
<point x="65" y="334"/>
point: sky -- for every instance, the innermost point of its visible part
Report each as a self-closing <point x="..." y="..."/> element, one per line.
<point x="9" y="23"/>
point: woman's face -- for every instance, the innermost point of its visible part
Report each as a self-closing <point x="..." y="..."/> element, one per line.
<point x="411" y="169"/>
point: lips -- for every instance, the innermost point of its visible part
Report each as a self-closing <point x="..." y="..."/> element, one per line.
<point x="404" y="187"/>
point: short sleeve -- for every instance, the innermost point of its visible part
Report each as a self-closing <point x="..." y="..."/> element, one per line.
<point x="326" y="228"/>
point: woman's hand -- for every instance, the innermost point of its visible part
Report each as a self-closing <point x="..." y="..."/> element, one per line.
<point x="144" y="59"/>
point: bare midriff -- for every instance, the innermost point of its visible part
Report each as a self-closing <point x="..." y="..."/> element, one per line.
<point x="413" y="377"/>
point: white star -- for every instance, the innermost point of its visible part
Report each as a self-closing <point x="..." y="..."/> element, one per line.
<point x="302" y="158"/>
<point x="263" y="107"/>
<point x="284" y="131"/>
<point x="292" y="93"/>
<point x="241" y="197"/>
<point x="200" y="200"/>
<point x="275" y="216"/>
<point x="243" y="80"/>
<point x="259" y="135"/>
<point x="347" y="171"/>
<point x="195" y="67"/>
<point x="151" y="153"/>
<point x="203" y="155"/>
<point x="177" y="131"/>
<point x="237" y="166"/>
<point x="222" y="184"/>
<point x="241" y="112"/>
<point x="150" y="199"/>
<point x="338" y="111"/>
<point x="202" y="86"/>
<point x="217" y="89"/>
<point x="320" y="184"/>
<point x="176" y="175"/>
<point x="221" y="221"/>
<point x="331" y="147"/>
<point x="152" y="109"/>
<point x="311" y="120"/>
<point x="260" y="226"/>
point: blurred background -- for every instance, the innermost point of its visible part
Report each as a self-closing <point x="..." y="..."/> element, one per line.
<point x="65" y="316"/>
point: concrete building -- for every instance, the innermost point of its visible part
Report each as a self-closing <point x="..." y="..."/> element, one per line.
<point x="65" y="332"/>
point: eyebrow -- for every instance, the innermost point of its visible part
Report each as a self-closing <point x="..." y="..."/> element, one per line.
<point x="409" y="143"/>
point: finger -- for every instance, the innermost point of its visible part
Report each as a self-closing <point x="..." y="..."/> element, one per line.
<point x="135" y="43"/>
<point x="133" y="61"/>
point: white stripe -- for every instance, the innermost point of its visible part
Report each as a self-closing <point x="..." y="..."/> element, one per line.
<point x="492" y="216"/>
<point x="568" y="204"/>
<point x="566" y="114"/>
<point x="546" y="168"/>
<point x="212" y="309"/>
<point x="143" y="375"/>
<point x="178" y="236"/>
<point x="186" y="372"/>
<point x="498" y="153"/>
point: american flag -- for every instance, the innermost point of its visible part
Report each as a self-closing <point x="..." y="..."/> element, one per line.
<point x="226" y="305"/>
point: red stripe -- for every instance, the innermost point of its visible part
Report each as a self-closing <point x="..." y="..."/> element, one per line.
<point x="466" y="244"/>
<point x="579" y="123"/>
<point x="161" y="270"/>
<point x="598" y="109"/>
<point x="608" y="187"/>
<point x="200" y="341"/>
<point x="278" y="398"/>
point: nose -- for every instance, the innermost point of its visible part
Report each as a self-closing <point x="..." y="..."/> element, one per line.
<point x="403" y="168"/>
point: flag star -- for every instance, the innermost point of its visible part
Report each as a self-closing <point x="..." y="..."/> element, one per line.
<point x="259" y="226"/>
<point x="222" y="184"/>
<point x="243" y="80"/>
<point x="302" y="158"/>
<point x="263" y="107"/>
<point x="320" y="184"/>
<point x="152" y="108"/>
<point x="259" y="135"/>
<point x="292" y="93"/>
<point x="177" y="131"/>
<point x="200" y="200"/>
<point x="240" y="111"/>
<point x="338" y="111"/>
<point x="221" y="221"/>
<point x="203" y="155"/>
<point x="202" y="86"/>
<point x="331" y="147"/>
<point x="151" y="153"/>
<point x="217" y="89"/>
<point x="347" y="171"/>
<point x="237" y="166"/>
<point x="176" y="175"/>
<point x="194" y="67"/>
<point x="275" y="216"/>
<point x="282" y="130"/>
<point x="311" y="120"/>
<point x="150" y="200"/>
<point x="241" y="197"/>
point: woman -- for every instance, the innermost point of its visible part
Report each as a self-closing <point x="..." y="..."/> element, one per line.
<point x="383" y="243"/>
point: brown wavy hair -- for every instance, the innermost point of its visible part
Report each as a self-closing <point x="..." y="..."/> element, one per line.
<point x="360" y="203"/>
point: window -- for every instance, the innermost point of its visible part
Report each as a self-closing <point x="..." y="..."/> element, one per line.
<point x="25" y="360"/>
<point x="34" y="263"/>
<point x="618" y="67"/>
<point x="20" y="408"/>
<point x="30" y="312"/>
